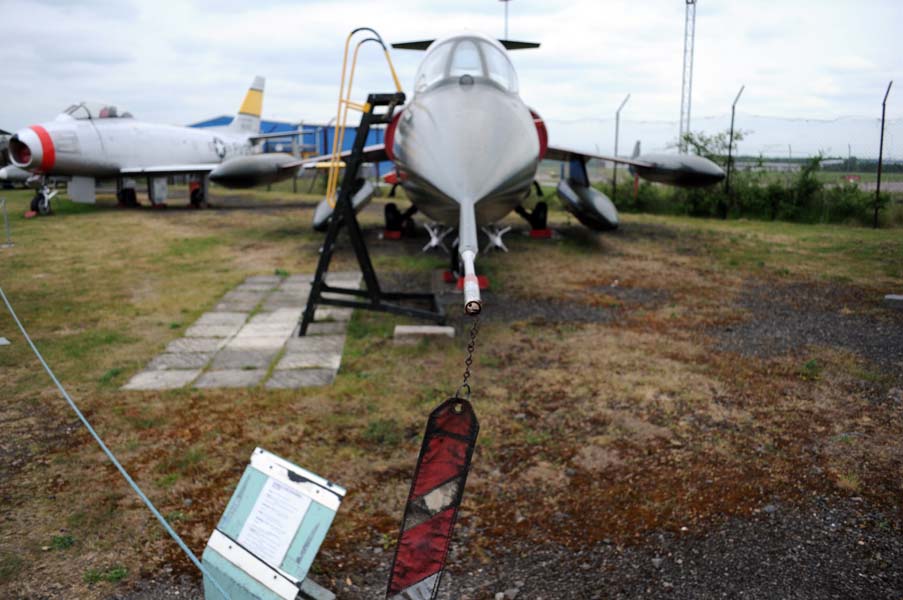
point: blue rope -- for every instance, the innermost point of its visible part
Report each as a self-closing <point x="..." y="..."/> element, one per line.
<point x="116" y="463"/>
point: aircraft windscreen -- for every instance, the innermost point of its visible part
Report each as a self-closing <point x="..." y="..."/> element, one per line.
<point x="96" y="110"/>
<point x="475" y="57"/>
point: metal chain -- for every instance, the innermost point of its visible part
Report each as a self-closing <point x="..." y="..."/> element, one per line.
<point x="474" y="330"/>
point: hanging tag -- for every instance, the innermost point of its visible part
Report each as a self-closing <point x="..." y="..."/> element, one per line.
<point x="433" y="502"/>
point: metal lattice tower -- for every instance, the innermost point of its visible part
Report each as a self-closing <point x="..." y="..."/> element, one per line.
<point x="686" y="86"/>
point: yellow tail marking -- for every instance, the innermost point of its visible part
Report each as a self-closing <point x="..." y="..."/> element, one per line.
<point x="253" y="103"/>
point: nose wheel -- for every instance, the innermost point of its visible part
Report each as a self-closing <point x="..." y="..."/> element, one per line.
<point x="40" y="203"/>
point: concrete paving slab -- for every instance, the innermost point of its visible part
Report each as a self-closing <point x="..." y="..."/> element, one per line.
<point x="240" y="294"/>
<point x="4" y="341"/>
<point x="276" y="302"/>
<point x="230" y="378"/>
<point x="266" y="330"/>
<point x="255" y="287"/>
<point x="246" y="306"/>
<point x="411" y="334"/>
<point x="894" y="300"/>
<point x="297" y="279"/>
<point x="180" y="361"/>
<point x="271" y="279"/>
<point x="268" y="342"/>
<point x="316" y="343"/>
<point x="353" y="284"/>
<point x="342" y="275"/>
<point x="232" y="358"/>
<point x="326" y="328"/>
<point x="222" y="318"/>
<point x="212" y="331"/>
<point x="310" y="360"/>
<point x="161" y="380"/>
<point x="281" y="316"/>
<point x="300" y="378"/>
<point x="332" y="313"/>
<point x="196" y="344"/>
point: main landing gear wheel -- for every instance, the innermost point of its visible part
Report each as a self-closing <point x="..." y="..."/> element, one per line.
<point x="127" y="198"/>
<point x="400" y="221"/>
<point x="539" y="218"/>
<point x="197" y="198"/>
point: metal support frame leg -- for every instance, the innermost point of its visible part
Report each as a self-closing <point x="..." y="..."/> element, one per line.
<point x="372" y="297"/>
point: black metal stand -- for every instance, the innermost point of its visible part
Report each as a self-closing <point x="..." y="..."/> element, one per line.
<point x="373" y="298"/>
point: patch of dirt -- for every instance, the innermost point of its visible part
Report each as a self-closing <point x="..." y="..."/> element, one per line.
<point x="830" y="548"/>
<point x="783" y="317"/>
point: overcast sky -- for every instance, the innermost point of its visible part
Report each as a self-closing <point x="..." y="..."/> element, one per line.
<point x="179" y="62"/>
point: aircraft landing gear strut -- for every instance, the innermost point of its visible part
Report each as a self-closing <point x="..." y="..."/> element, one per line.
<point x="40" y="202"/>
<point x="538" y="218"/>
<point x="399" y="223"/>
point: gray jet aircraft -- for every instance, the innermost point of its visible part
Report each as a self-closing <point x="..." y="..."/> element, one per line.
<point x="466" y="149"/>
<point x="90" y="141"/>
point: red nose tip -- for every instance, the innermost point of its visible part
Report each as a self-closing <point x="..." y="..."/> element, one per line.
<point x="20" y="151"/>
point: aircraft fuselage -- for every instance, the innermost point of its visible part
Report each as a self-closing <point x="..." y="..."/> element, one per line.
<point x="470" y="143"/>
<point x="106" y="147"/>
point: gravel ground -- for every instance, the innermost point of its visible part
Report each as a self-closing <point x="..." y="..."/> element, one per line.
<point x="833" y="548"/>
<point x="788" y="317"/>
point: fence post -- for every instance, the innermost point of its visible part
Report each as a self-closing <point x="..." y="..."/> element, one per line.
<point x="9" y="240"/>
<point x="880" y="158"/>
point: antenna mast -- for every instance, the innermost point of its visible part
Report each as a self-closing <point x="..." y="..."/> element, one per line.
<point x="686" y="86"/>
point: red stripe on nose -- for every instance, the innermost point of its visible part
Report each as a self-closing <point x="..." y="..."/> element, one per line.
<point x="48" y="158"/>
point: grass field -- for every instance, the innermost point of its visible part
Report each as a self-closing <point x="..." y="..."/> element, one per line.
<point x="634" y="407"/>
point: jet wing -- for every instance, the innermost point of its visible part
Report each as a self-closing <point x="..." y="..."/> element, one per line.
<point x="169" y="169"/>
<point x="372" y="154"/>
<point x="567" y="154"/>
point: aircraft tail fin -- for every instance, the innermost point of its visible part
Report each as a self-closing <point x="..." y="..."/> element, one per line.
<point x="248" y="118"/>
<point x="636" y="149"/>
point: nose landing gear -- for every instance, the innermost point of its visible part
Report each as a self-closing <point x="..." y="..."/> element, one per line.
<point x="40" y="203"/>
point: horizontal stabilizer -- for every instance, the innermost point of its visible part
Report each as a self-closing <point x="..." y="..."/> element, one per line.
<point x="424" y="44"/>
<point x="516" y="45"/>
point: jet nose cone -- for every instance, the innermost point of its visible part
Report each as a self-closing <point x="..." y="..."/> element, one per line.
<point x="32" y="149"/>
<point x="469" y="142"/>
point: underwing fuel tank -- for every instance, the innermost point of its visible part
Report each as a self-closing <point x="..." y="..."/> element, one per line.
<point x="682" y="170"/>
<point x="589" y="205"/>
<point x="254" y="170"/>
<point x="359" y="200"/>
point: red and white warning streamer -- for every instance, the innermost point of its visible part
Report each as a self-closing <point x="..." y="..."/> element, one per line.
<point x="435" y="496"/>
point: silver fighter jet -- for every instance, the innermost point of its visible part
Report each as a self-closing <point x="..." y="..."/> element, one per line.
<point x="466" y="149"/>
<point x="90" y="141"/>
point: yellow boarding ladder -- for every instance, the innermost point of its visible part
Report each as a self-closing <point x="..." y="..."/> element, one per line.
<point x="345" y="103"/>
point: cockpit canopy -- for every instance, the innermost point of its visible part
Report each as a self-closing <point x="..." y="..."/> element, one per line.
<point x="481" y="58"/>
<point x="96" y="110"/>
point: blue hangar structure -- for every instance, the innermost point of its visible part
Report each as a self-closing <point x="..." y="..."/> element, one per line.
<point x="315" y="140"/>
